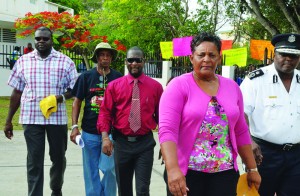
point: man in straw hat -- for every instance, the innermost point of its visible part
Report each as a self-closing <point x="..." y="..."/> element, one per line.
<point x="90" y="87"/>
<point x="271" y="102"/>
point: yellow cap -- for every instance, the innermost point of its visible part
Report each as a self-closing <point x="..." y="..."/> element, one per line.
<point x="243" y="188"/>
<point x="48" y="105"/>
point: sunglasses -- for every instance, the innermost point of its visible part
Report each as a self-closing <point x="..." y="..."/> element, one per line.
<point x="137" y="60"/>
<point x="42" y="38"/>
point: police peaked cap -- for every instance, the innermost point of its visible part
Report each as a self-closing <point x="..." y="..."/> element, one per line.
<point x="287" y="43"/>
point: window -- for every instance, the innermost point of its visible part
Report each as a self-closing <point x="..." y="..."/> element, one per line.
<point x="8" y="35"/>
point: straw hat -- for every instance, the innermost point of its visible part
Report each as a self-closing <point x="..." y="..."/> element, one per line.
<point x="104" y="46"/>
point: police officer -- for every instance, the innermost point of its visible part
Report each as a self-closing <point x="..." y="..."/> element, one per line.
<point x="272" y="106"/>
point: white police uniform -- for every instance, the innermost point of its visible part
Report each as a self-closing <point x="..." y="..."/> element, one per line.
<point x="274" y="113"/>
<point x="274" y="118"/>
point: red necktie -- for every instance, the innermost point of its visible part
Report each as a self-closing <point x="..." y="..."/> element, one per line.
<point x="135" y="110"/>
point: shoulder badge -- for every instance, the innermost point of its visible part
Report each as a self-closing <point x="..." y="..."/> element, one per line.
<point x="255" y="74"/>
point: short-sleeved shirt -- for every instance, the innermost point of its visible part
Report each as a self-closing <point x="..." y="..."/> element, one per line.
<point x="90" y="87"/>
<point x="38" y="78"/>
<point x="274" y="113"/>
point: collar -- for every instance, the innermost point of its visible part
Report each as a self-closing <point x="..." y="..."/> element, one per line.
<point x="275" y="77"/>
<point x="35" y="54"/>
<point x="130" y="78"/>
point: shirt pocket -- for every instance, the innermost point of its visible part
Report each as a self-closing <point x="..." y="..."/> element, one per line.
<point x="298" y="107"/>
<point x="273" y="107"/>
<point x="56" y="77"/>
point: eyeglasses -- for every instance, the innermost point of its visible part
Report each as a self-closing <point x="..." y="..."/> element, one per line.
<point x="137" y="60"/>
<point x="45" y="39"/>
<point x="216" y="105"/>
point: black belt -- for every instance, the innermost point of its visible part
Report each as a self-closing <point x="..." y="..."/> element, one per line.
<point x="117" y="133"/>
<point x="283" y="147"/>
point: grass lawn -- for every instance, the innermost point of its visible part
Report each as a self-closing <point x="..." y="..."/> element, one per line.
<point x="4" y="105"/>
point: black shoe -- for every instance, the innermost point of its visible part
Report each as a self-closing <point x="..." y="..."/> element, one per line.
<point x="56" y="193"/>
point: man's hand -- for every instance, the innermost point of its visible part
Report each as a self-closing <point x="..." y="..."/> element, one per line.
<point x="8" y="130"/>
<point x="73" y="135"/>
<point x="257" y="153"/>
<point x="107" y="146"/>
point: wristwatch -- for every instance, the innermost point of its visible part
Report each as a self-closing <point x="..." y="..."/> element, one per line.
<point x="73" y="127"/>
<point x="252" y="170"/>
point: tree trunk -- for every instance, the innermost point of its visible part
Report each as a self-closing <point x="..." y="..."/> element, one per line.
<point x="288" y="15"/>
<point x="86" y="61"/>
<point x="255" y="11"/>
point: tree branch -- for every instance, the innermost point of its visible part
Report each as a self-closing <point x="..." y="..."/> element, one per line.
<point x="288" y="15"/>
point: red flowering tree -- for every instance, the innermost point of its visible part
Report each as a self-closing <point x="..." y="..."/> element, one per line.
<point x="74" y="33"/>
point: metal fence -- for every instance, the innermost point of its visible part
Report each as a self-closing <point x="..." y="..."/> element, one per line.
<point x="6" y="53"/>
<point x="152" y="67"/>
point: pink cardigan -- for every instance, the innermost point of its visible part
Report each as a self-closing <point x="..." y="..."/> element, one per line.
<point x="183" y="106"/>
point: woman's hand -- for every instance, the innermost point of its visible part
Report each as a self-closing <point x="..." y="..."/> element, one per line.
<point x="253" y="178"/>
<point x="176" y="182"/>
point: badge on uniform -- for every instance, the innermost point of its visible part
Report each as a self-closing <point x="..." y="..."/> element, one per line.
<point x="255" y="74"/>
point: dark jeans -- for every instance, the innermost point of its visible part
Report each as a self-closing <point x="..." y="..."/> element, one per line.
<point x="280" y="171"/>
<point x="212" y="184"/>
<point x="134" y="158"/>
<point x="35" y="141"/>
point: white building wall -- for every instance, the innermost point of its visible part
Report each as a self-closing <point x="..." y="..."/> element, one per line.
<point x="10" y="10"/>
<point x="5" y="90"/>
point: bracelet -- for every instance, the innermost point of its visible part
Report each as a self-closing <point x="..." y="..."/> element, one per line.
<point x="64" y="98"/>
<point x="105" y="138"/>
<point x="252" y="170"/>
<point x="73" y="127"/>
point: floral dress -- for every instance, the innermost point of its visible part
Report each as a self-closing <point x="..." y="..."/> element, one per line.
<point x="212" y="151"/>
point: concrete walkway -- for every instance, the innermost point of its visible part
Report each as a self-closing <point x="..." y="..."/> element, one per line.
<point x="13" y="169"/>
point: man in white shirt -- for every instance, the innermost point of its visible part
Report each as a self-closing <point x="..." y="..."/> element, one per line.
<point x="272" y="106"/>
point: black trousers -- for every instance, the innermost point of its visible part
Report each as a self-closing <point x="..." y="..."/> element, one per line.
<point x="35" y="141"/>
<point x="212" y="184"/>
<point x="134" y="158"/>
<point x="280" y="171"/>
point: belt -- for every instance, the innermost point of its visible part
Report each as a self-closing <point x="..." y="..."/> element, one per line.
<point x="117" y="133"/>
<point x="283" y="147"/>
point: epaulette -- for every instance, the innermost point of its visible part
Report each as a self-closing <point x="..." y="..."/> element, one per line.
<point x="255" y="74"/>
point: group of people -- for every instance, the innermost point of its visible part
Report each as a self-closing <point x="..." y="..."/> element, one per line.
<point x="204" y="121"/>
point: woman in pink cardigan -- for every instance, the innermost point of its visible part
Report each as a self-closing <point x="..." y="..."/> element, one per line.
<point x="202" y="128"/>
